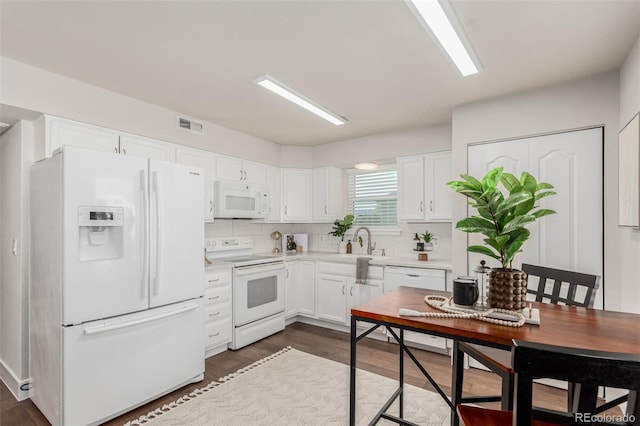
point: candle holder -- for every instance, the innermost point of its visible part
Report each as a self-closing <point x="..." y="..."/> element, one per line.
<point x="482" y="274"/>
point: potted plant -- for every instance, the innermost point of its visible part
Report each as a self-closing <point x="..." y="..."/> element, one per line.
<point x="340" y="228"/>
<point x="503" y="219"/>
<point x="427" y="237"/>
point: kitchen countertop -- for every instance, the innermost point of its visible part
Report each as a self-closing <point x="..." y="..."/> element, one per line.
<point x="406" y="261"/>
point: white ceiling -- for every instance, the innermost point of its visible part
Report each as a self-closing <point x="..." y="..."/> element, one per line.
<point x="369" y="61"/>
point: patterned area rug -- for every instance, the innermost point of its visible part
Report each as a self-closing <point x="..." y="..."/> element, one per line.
<point x="294" y="388"/>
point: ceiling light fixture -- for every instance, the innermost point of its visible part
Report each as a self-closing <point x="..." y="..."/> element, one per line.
<point x="366" y="166"/>
<point x="278" y="88"/>
<point x="441" y="22"/>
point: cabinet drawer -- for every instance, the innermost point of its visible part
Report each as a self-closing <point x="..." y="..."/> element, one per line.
<point x="217" y="295"/>
<point x="215" y="279"/>
<point x="217" y="311"/>
<point x="217" y="332"/>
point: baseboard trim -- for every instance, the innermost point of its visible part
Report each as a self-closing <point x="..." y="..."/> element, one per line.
<point x="18" y="388"/>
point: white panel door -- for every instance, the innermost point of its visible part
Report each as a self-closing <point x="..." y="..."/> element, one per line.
<point x="274" y="189"/>
<point x="571" y="161"/>
<point x="254" y="172"/>
<point x="176" y="231"/>
<point x="291" y="290"/>
<point x="104" y="270"/>
<point x="306" y="286"/>
<point x="573" y="238"/>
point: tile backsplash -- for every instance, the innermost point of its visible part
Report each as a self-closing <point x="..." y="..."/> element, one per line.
<point x="401" y="245"/>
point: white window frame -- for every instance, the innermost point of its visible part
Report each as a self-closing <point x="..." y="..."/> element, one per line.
<point x="390" y="229"/>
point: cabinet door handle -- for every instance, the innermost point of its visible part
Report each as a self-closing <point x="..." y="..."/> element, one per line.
<point x="287" y="273"/>
<point x="124" y="151"/>
<point x="343" y="288"/>
<point x="214" y="280"/>
<point x="351" y="291"/>
<point x="421" y="206"/>
<point x="214" y="335"/>
<point x="214" y="298"/>
<point x="240" y="174"/>
<point x="245" y="175"/>
<point x="285" y="210"/>
<point x="115" y="148"/>
<point x="215" y="314"/>
<point x="210" y="206"/>
<point x="325" y="209"/>
<point x="431" y="205"/>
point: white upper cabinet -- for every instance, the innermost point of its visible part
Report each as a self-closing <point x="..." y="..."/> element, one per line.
<point x="207" y="162"/>
<point x="327" y="204"/>
<point x="274" y="189"/>
<point x="138" y="146"/>
<point x="438" y="196"/>
<point x="57" y="132"/>
<point x="60" y="132"/>
<point x="411" y="188"/>
<point x="296" y="195"/>
<point x="422" y="191"/>
<point x="237" y="170"/>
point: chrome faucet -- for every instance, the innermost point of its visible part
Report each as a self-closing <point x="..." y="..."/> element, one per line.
<point x="370" y="248"/>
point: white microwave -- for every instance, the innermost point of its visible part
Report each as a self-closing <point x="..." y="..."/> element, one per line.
<point x="234" y="200"/>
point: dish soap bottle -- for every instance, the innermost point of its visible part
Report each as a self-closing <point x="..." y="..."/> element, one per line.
<point x="349" y="246"/>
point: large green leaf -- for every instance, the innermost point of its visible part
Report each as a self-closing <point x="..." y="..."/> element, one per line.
<point x="514" y="246"/>
<point x="512" y="201"/>
<point x="543" y="212"/>
<point x="497" y="242"/>
<point x="519" y="222"/>
<point x="540" y="195"/>
<point x="528" y="182"/>
<point x="477" y="224"/>
<point x="483" y="250"/>
<point x="544" y="185"/>
<point x="472" y="181"/>
<point x="510" y="182"/>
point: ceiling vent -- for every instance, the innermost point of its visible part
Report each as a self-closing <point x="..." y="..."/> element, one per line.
<point x="190" y="125"/>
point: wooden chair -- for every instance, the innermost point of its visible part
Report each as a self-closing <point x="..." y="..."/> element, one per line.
<point x="534" y="360"/>
<point x="569" y="288"/>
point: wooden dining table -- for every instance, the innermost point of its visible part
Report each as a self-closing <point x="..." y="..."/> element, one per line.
<point x="561" y="325"/>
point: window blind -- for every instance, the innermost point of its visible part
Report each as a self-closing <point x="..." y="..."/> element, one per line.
<point x="373" y="196"/>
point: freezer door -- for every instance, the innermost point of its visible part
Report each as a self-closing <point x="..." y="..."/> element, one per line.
<point x="113" y="365"/>
<point x="104" y="235"/>
<point x="177" y="232"/>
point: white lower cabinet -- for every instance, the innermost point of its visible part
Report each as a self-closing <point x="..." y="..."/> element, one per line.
<point x="217" y="305"/>
<point x="337" y="291"/>
<point x="300" y="284"/>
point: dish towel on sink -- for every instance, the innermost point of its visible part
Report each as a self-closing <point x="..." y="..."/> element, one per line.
<point x="362" y="269"/>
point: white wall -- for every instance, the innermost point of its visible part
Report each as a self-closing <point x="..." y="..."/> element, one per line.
<point x="383" y="146"/>
<point x="628" y="240"/>
<point x="587" y="102"/>
<point x="35" y="89"/>
<point x="16" y="153"/>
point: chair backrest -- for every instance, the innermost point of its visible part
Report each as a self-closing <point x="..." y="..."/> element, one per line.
<point x="534" y="361"/>
<point x="569" y="288"/>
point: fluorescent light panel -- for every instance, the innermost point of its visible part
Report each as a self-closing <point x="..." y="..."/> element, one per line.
<point x="278" y="88"/>
<point x="443" y="25"/>
<point x="366" y="166"/>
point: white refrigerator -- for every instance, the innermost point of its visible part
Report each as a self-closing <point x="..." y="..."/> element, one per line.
<point x="117" y="276"/>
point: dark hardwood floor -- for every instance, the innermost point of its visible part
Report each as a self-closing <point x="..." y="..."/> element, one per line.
<point x="375" y="356"/>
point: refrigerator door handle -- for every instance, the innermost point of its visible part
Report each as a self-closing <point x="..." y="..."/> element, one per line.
<point x="104" y="328"/>
<point x="158" y="253"/>
<point x="145" y="234"/>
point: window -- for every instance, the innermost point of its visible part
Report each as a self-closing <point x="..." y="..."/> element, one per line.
<point x="373" y="196"/>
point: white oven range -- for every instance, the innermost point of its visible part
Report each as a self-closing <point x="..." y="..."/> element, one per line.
<point x="258" y="289"/>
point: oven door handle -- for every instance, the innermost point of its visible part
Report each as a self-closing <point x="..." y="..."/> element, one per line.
<point x="252" y="269"/>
